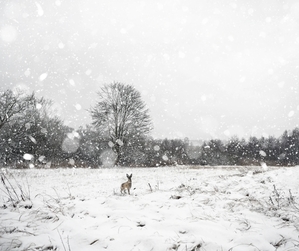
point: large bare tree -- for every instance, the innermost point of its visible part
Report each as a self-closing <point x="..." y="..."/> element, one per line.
<point x="121" y="116"/>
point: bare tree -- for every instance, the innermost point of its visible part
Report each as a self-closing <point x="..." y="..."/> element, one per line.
<point x="28" y="125"/>
<point x="12" y="105"/>
<point x="121" y="116"/>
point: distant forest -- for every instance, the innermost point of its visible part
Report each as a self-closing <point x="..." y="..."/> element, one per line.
<point x="32" y="136"/>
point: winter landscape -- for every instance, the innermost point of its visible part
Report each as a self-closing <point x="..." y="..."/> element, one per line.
<point x="170" y="208"/>
<point x="197" y="101"/>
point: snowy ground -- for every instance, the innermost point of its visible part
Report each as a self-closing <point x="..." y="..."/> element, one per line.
<point x="185" y="209"/>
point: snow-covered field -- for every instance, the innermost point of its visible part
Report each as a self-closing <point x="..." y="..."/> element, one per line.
<point x="170" y="208"/>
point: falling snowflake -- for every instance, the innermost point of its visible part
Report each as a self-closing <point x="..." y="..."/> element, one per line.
<point x="28" y="156"/>
<point x="43" y="76"/>
<point x="156" y="148"/>
<point x="40" y="10"/>
<point x="291" y="114"/>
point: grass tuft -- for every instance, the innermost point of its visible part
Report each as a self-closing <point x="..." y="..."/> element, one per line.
<point x="15" y="191"/>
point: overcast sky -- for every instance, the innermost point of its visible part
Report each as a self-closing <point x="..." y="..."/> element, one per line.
<point x="205" y="68"/>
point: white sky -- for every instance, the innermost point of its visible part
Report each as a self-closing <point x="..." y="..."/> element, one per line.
<point x="206" y="69"/>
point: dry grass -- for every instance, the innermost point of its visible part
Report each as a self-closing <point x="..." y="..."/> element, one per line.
<point x="15" y="191"/>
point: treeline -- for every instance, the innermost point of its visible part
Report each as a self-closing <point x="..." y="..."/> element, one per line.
<point x="32" y="136"/>
<point x="52" y="144"/>
<point x="283" y="150"/>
